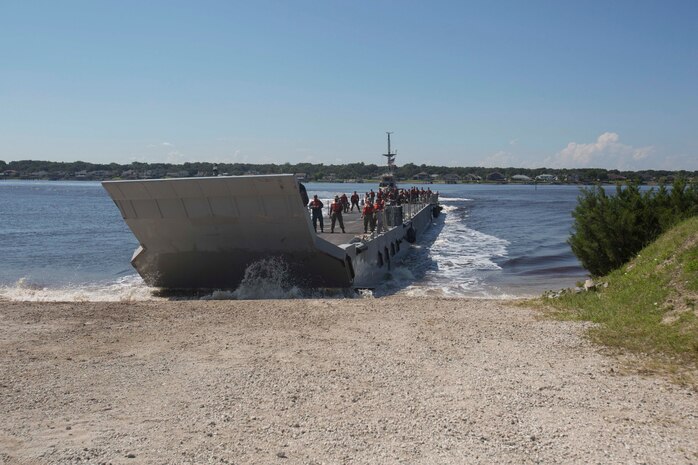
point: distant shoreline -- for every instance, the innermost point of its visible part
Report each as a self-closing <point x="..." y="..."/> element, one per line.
<point x="408" y="173"/>
<point x="364" y="181"/>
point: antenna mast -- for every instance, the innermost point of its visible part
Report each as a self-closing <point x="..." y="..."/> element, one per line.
<point x="390" y="155"/>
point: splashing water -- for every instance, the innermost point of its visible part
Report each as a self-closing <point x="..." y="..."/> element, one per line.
<point x="125" y="289"/>
<point x="268" y="278"/>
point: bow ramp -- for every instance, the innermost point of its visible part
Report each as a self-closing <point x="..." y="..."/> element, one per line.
<point x="204" y="232"/>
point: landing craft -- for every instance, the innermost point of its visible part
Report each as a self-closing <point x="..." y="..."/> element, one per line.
<point x="203" y="233"/>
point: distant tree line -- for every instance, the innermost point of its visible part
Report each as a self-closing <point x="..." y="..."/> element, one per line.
<point x="323" y="172"/>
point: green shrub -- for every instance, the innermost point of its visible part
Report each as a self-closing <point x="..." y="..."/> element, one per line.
<point x="609" y="230"/>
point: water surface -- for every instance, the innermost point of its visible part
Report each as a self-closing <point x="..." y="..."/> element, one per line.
<point x="67" y="241"/>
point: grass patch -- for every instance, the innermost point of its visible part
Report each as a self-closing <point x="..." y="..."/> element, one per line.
<point x="649" y="305"/>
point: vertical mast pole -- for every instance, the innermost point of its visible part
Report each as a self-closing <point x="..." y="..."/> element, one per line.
<point x="388" y="142"/>
<point x="389" y="154"/>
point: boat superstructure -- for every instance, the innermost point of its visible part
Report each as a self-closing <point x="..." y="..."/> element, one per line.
<point x="205" y="232"/>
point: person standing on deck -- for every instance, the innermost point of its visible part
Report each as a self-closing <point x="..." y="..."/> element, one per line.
<point x="369" y="219"/>
<point x="379" y="209"/>
<point x="345" y="203"/>
<point x="355" y="201"/>
<point x="336" y="213"/>
<point x="316" y="208"/>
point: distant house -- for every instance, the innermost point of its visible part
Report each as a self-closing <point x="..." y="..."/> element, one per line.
<point x="81" y="174"/>
<point x="129" y="174"/>
<point x="423" y="176"/>
<point x="521" y="178"/>
<point x="301" y="176"/>
<point x="177" y="174"/>
<point x="616" y="177"/>
<point x="451" y="178"/>
<point x="496" y="176"/>
<point x="100" y="174"/>
<point x="472" y="178"/>
<point x="546" y="178"/>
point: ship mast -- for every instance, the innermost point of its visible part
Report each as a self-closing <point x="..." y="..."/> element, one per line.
<point x="390" y="155"/>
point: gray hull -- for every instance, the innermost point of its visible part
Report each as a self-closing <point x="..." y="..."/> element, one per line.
<point x="204" y="232"/>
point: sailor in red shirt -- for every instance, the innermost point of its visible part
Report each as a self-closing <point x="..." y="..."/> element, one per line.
<point x="316" y="208"/>
<point x="345" y="203"/>
<point x="355" y="201"/>
<point x="379" y="206"/>
<point x="368" y="216"/>
<point x="336" y="213"/>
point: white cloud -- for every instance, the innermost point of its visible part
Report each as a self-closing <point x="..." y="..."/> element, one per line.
<point x="513" y="141"/>
<point x="606" y="152"/>
<point x="175" y="157"/>
<point x="678" y="162"/>
<point x="501" y="159"/>
<point x="161" y="144"/>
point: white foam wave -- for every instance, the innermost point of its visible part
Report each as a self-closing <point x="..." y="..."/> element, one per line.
<point x="126" y="289"/>
<point x="456" y="264"/>
<point x="459" y="292"/>
<point x="454" y="199"/>
<point x="459" y="247"/>
<point x="448" y="208"/>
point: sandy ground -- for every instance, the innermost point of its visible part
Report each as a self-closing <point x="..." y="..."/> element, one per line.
<point x="393" y="380"/>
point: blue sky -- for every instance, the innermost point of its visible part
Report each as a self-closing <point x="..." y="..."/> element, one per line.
<point x="610" y="84"/>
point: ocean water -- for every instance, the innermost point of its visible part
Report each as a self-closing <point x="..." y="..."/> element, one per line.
<point x="67" y="241"/>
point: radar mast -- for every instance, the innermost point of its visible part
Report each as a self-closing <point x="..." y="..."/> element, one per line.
<point x="391" y="156"/>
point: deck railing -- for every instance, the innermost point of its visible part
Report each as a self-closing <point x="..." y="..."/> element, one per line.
<point x="409" y="210"/>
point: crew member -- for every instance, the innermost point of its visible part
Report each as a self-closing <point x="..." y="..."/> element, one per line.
<point x="367" y="215"/>
<point x="355" y="201"/>
<point x="345" y="203"/>
<point x="336" y="213"/>
<point x="379" y="207"/>
<point x="316" y="208"/>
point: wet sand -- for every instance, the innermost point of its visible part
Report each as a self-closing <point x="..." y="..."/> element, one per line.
<point x="392" y="380"/>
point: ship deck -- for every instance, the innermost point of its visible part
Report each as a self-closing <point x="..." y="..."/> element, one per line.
<point x="353" y="225"/>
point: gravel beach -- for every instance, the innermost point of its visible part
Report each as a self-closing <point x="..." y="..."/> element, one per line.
<point x="390" y="380"/>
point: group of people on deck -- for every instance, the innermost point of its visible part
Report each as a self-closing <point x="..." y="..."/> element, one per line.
<point x="371" y="206"/>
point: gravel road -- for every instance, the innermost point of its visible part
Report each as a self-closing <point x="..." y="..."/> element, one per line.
<point x="362" y="381"/>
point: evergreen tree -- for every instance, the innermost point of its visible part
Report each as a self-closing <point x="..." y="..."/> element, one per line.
<point x="610" y="230"/>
